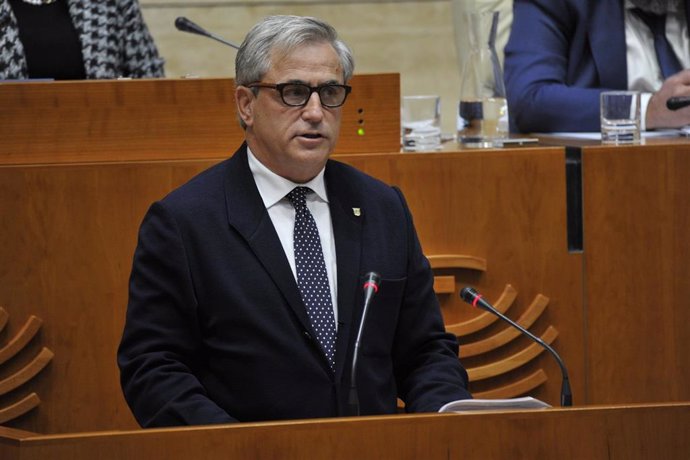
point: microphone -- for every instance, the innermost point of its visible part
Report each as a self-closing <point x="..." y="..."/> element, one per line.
<point x="475" y="299"/>
<point x="371" y="287"/>
<point x="185" y="25"/>
<point x="675" y="103"/>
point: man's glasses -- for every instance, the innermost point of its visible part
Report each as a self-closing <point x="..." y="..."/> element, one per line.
<point x="298" y="94"/>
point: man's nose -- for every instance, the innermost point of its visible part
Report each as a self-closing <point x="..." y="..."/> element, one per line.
<point x="313" y="107"/>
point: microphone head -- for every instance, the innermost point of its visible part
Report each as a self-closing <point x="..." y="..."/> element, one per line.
<point x="185" y="25"/>
<point x="472" y="297"/>
<point x="468" y="294"/>
<point x="373" y="277"/>
<point x="373" y="280"/>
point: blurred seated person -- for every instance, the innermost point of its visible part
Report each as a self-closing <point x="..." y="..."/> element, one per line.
<point x="561" y="55"/>
<point x="75" y="39"/>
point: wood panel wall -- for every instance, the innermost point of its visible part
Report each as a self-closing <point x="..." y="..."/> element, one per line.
<point x="637" y="271"/>
<point x="67" y="244"/>
<point x="129" y="120"/>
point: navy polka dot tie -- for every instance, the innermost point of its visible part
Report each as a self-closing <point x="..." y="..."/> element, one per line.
<point x="312" y="278"/>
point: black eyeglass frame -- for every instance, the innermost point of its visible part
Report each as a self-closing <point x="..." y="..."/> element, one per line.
<point x="312" y="89"/>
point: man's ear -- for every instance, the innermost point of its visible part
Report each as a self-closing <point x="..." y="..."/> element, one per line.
<point x="244" y="98"/>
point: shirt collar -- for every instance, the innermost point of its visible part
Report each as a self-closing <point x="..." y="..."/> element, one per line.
<point x="671" y="9"/>
<point x="273" y="187"/>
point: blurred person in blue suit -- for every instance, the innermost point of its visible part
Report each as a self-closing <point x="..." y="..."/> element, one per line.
<point x="562" y="54"/>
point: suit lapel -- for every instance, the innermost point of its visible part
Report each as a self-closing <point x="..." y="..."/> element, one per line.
<point x="247" y="215"/>
<point x="607" y="37"/>
<point x="347" y="228"/>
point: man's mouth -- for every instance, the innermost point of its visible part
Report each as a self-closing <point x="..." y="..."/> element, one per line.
<point x="311" y="135"/>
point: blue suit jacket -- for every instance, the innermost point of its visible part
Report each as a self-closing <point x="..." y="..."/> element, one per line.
<point x="216" y="330"/>
<point x="560" y="56"/>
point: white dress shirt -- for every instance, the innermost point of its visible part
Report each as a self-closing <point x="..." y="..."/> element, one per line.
<point x="644" y="74"/>
<point x="273" y="189"/>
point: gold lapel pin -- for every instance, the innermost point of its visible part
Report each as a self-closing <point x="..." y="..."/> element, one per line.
<point x="357" y="211"/>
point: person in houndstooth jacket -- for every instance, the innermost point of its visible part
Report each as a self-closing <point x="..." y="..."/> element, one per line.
<point x="115" y="41"/>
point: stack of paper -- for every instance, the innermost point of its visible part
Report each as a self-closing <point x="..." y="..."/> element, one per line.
<point x="463" y="405"/>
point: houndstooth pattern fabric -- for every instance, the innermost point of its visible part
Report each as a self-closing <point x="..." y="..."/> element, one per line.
<point x="312" y="278"/>
<point x="114" y="39"/>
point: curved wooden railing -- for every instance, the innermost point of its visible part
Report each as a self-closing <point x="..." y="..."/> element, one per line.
<point x="446" y="284"/>
<point x="25" y="373"/>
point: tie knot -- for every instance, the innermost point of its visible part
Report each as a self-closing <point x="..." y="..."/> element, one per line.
<point x="298" y="197"/>
<point x="655" y="22"/>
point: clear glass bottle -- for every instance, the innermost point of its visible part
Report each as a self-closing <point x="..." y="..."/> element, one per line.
<point x="483" y="109"/>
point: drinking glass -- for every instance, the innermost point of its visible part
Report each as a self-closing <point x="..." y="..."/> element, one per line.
<point x="421" y="123"/>
<point x="620" y="117"/>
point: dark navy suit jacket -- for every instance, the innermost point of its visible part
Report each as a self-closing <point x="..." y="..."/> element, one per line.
<point x="560" y="56"/>
<point x="216" y="330"/>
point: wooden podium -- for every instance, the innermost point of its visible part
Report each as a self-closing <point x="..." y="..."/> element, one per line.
<point x="592" y="433"/>
<point x="68" y="245"/>
<point x="80" y="162"/>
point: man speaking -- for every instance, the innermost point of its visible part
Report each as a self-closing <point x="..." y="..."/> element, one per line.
<point x="246" y="291"/>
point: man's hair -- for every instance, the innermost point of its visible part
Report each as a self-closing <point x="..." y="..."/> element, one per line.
<point x="280" y="35"/>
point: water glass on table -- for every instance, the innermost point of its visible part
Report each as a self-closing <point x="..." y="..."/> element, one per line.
<point x="620" y="117"/>
<point x="483" y="123"/>
<point x="421" y="123"/>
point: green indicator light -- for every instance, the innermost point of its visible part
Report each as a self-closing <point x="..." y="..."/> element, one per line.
<point x="360" y="131"/>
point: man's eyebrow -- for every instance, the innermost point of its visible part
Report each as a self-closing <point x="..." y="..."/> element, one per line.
<point x="302" y="82"/>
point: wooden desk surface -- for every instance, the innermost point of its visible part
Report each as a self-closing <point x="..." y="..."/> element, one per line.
<point x="566" y="139"/>
<point x="599" y="432"/>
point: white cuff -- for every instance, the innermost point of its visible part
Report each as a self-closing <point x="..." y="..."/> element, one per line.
<point x="644" y="102"/>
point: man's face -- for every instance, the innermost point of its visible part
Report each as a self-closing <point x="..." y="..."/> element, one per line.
<point x="293" y="142"/>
